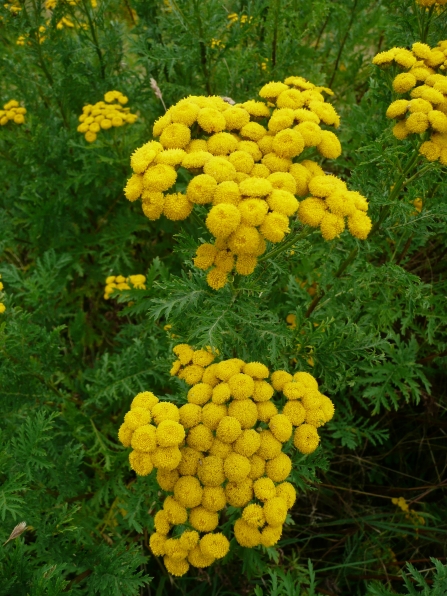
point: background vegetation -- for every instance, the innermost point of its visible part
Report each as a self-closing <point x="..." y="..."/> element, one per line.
<point x="373" y="334"/>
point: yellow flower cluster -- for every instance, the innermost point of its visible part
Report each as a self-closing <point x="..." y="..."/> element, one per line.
<point x="223" y="447"/>
<point x="243" y="169"/>
<point x="118" y="282"/>
<point x="2" y="306"/>
<point x="425" y="108"/>
<point x="430" y="3"/>
<point x="234" y="18"/>
<point x="105" y="114"/>
<point x="12" y="111"/>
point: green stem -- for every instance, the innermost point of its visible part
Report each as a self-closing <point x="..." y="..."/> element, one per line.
<point x="203" y="56"/>
<point x="277" y="9"/>
<point x="343" y="43"/>
<point x="95" y="40"/>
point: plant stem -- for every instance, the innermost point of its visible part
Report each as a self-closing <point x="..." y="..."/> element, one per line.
<point x="203" y="57"/>
<point x="285" y="245"/>
<point x="342" y="45"/>
<point x="277" y="9"/>
<point x="95" y="40"/>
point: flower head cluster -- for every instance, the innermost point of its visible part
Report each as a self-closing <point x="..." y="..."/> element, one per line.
<point x="105" y="114"/>
<point x="423" y="108"/>
<point x="243" y="158"/>
<point x="429" y="3"/>
<point x="12" y="111"/>
<point x="223" y="447"/>
<point x="118" y="282"/>
<point x="2" y="306"/>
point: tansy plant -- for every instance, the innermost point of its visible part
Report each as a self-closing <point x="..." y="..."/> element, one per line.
<point x="104" y="115"/>
<point x="247" y="170"/>
<point x="118" y="282"/>
<point x="223" y="447"/>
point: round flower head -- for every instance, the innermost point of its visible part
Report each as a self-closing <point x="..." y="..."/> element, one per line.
<point x="200" y="437"/>
<point x="184" y="113"/>
<point x="161" y="124"/>
<point x="190" y="415"/>
<point x="278" y="468"/>
<point x="281" y="427"/>
<point x="311" y="211"/>
<point x="359" y="225"/>
<point x="211" y="120"/>
<point x="143" y="156"/>
<point x="188" y="540"/>
<point x="192" y="374"/>
<point x="184" y="353"/>
<point x="438" y="121"/>
<point x="323" y="186"/>
<point x="288" y="143"/>
<point x="196" y="159"/>
<point x="137" y="417"/>
<point x="325" y="111"/>
<point x="198" y="559"/>
<point x="222" y="143"/>
<point x="238" y="494"/>
<point x="279" y="378"/>
<point x="189" y="462"/>
<point x="255" y="187"/>
<point x="263" y="391"/>
<point x="417" y="122"/>
<point x="220" y="169"/>
<point x="315" y="417"/>
<point x="241" y="386"/>
<point x="125" y="435"/>
<point x="201" y="189"/>
<point x="217" y="278"/>
<point x="301" y="176"/>
<point x="176" y="567"/>
<point x="270" y="446"/>
<point x="248" y="443"/>
<point x="224" y="260"/>
<point x="329" y="146"/>
<point x="328" y="408"/>
<point x="209" y="376"/>
<point x="134" y="187"/>
<point x="281" y="119"/>
<point x="275" y="163"/>
<point x="199" y="394"/>
<point x="236" y="118"/>
<point x="258" y="109"/>
<point x="331" y="226"/>
<point x="397" y="109"/>
<point x="214" y="545"/>
<point x="161" y="522"/>
<point x="290" y="98"/>
<point x="275" y="226"/>
<point x="272" y="90"/>
<point x="253" y="131"/>
<point x="165" y="411"/>
<point x="310" y="132"/>
<point x="220" y="449"/>
<point x="176" y="513"/>
<point x="221" y="393"/>
<point x="266" y="410"/>
<point x="203" y="357"/>
<point x="270" y="535"/>
<point x="430" y="150"/>
<point x="203" y="520"/>
<point x="145" y="399"/>
<point x="421" y="50"/>
<point x="141" y="463"/>
<point x="144" y="439"/>
<point x="295" y="412"/>
<point x="229" y="429"/>
<point x="264" y="489"/>
<point x="174" y="549"/>
<point x="245" y="411"/>
<point x="404" y="82"/>
<point x="250" y="147"/>
<point x="283" y="181"/>
<point x="282" y="201"/>
<point x="246" y="264"/>
<point x="211" y="471"/>
<point x="212" y="414"/>
<point x="303" y="115"/>
<point x="167" y="458"/>
<point x="244" y="240"/>
<point x="175" y="136"/>
<point x="228" y="368"/>
<point x="169" y="433"/>
<point x="188" y="492"/>
<point x="177" y="207"/>
<point x="256" y="370"/>
<point x="205" y="256"/>
<point x="275" y="511"/>
<point x="266" y="144"/>
<point x="227" y="192"/>
<point x="223" y="219"/>
<point x="253" y="211"/>
<point x="257" y="467"/>
<point x="246" y="534"/>
<point x="236" y="467"/>
<point x="213" y="498"/>
<point x="287" y="492"/>
<point x="157" y="542"/>
<point x="159" y="177"/>
<point x="253" y="515"/>
<point x="167" y="478"/>
<point x="306" y="439"/>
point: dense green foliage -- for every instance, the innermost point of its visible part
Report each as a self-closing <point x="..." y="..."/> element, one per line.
<point x="372" y="331"/>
